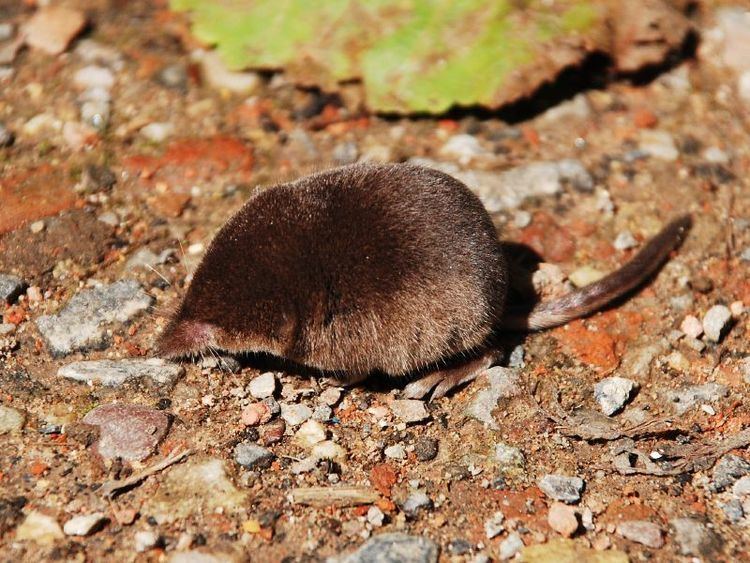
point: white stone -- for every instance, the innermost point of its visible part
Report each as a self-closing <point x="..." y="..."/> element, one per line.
<point x="39" y="528"/>
<point x="311" y="432"/>
<point x="396" y="451"/>
<point x="83" y="525"/>
<point x="691" y="326"/>
<point x="263" y="385"/>
<point x="93" y="76"/>
<point x="715" y="322"/>
<point x="659" y="144"/>
<point x="158" y="132"/>
<point x="10" y="419"/>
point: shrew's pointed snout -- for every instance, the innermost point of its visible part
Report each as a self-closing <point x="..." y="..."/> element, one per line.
<point x="184" y="338"/>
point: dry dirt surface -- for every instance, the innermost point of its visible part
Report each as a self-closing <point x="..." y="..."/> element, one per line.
<point x="619" y="437"/>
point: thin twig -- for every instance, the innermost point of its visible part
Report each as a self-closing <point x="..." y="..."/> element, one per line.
<point x="110" y="488"/>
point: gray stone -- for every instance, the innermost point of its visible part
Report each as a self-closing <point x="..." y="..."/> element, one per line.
<point x="612" y="393"/>
<point x="733" y="510"/>
<point x="509" y="457"/>
<point x="516" y="359"/>
<point x="223" y="363"/>
<point x="252" y="456"/>
<point x="322" y="413"/>
<point x="409" y="410"/>
<point x="194" y="487"/>
<point x="464" y="148"/>
<point x="507" y="190"/>
<point x="84" y="321"/>
<point x="394" y="548"/>
<point x="11" y="287"/>
<point x="426" y="449"/>
<point x="415" y="502"/>
<point x="716" y="321"/>
<point x="294" y="414"/>
<point x="694" y="538"/>
<point x="84" y="525"/>
<point x="503" y="384"/>
<point x="641" y="531"/>
<point x="494" y="526"/>
<point x="562" y="488"/>
<point x="263" y="385"/>
<point x="130" y="432"/>
<point x="686" y="398"/>
<point x="742" y="487"/>
<point x="331" y="396"/>
<point x="727" y="471"/>
<point x="113" y="373"/>
<point x="11" y="419"/>
<point x="510" y="546"/>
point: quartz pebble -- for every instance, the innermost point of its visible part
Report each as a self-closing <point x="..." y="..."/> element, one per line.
<point x="145" y="540"/>
<point x="310" y="433"/>
<point x="52" y="28"/>
<point x="494" y="526"/>
<point x="263" y="385"/>
<point x="691" y="326"/>
<point x="562" y="519"/>
<point x="39" y="528"/>
<point x="396" y="451"/>
<point x="83" y="322"/>
<point x="158" y="132"/>
<point x="127" y="431"/>
<point x="624" y="241"/>
<point x="294" y="414"/>
<point x="510" y="546"/>
<point x="84" y="525"/>
<point x="641" y="531"/>
<point x="375" y="516"/>
<point x="612" y="393"/>
<point x="415" y="502"/>
<point x="716" y="321"/>
<point x="409" y="410"/>
<point x="503" y="383"/>
<point x="331" y="396"/>
<point x="562" y="488"/>
<point x="11" y="420"/>
<point x="252" y="456"/>
<point x="114" y="373"/>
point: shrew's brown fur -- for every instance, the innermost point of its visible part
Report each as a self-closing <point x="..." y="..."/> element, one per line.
<point x="369" y="268"/>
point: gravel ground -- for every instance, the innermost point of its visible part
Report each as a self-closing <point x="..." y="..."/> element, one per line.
<point x="619" y="437"/>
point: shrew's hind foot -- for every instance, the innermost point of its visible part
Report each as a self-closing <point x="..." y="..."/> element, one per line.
<point x="443" y="381"/>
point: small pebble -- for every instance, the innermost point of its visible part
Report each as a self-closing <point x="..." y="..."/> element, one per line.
<point x="521" y="219"/>
<point x="494" y="526"/>
<point x="409" y="410"/>
<point x="426" y="449"/>
<point x="7" y="138"/>
<point x="322" y="413"/>
<point x="11" y="287"/>
<point x="737" y="308"/>
<point x="694" y="538"/>
<point x="641" y="531"/>
<point x="273" y="432"/>
<point x="252" y="456"/>
<point x="562" y="487"/>
<point x="83" y="525"/>
<point x="510" y="546"/>
<point x="345" y="153"/>
<point x="508" y="457"/>
<point x="173" y="76"/>
<point x="255" y="413"/>
<point x="93" y="76"/>
<point x="691" y="326"/>
<point x="686" y="398"/>
<point x="612" y="393"/>
<point x="37" y="227"/>
<point x="396" y="451"/>
<point x="157" y="132"/>
<point x="39" y="528"/>
<point x="415" y="502"/>
<point x="727" y="471"/>
<point x="562" y="519"/>
<point x="625" y="240"/>
<point x="11" y="420"/>
<point x="127" y="431"/>
<point x="658" y="144"/>
<point x="263" y="385"/>
<point x="295" y="414"/>
<point x="375" y="516"/>
<point x="52" y="28"/>
<point x="145" y="540"/>
<point x="310" y="433"/>
<point x="715" y="155"/>
<point x="331" y="396"/>
<point x="464" y="148"/>
<point x="716" y="321"/>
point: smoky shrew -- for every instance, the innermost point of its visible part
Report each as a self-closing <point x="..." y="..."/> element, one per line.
<point x="372" y="269"/>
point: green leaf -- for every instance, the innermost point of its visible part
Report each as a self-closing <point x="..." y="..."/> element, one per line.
<point x="411" y="55"/>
